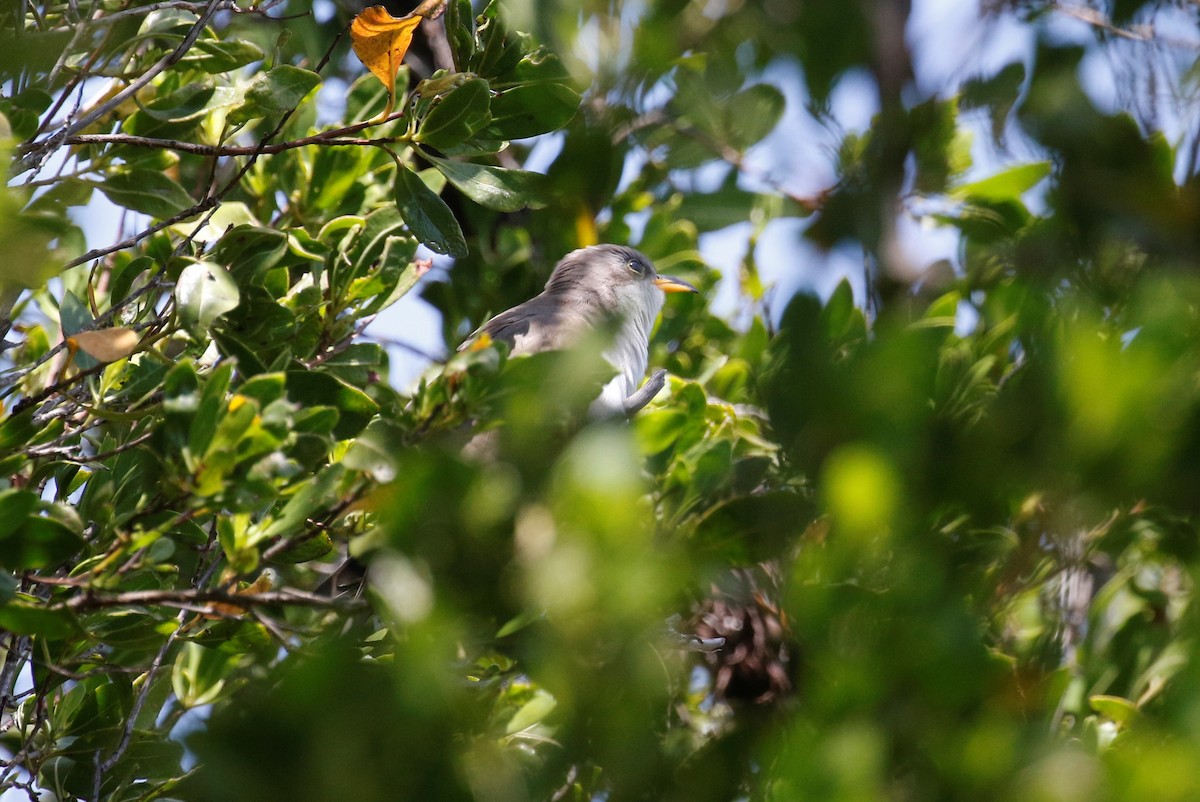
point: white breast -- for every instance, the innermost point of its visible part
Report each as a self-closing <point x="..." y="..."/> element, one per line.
<point x="630" y="350"/>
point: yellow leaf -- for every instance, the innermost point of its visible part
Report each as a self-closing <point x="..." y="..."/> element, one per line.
<point x="585" y="227"/>
<point x="483" y="341"/>
<point x="380" y="42"/>
<point x="107" y="345"/>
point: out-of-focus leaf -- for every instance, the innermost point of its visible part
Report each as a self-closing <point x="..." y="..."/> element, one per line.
<point x="314" y="495"/>
<point x="752" y="114"/>
<point x="15" y="506"/>
<point x="1114" y="708"/>
<point x="532" y="712"/>
<point x="1007" y="185"/>
<point x="753" y="528"/>
<point x="374" y="451"/>
<point x="312" y="388"/>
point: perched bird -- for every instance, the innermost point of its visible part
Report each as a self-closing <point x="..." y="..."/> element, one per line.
<point x="588" y="288"/>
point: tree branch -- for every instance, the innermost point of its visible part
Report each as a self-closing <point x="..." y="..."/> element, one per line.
<point x="331" y="137"/>
<point x="198" y="597"/>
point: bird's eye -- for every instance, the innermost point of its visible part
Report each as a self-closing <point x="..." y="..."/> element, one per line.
<point x="636" y="266"/>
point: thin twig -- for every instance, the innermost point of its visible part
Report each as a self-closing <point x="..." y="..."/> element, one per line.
<point x="331" y="137"/>
<point x="195" y="597"/>
<point x="32" y="400"/>
<point x="96" y="253"/>
<point x="105" y="765"/>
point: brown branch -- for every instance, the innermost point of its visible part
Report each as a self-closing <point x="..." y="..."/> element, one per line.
<point x="199" y="597"/>
<point x="331" y="137"/>
<point x="33" y="400"/>
<point x="430" y="9"/>
<point x="96" y="253"/>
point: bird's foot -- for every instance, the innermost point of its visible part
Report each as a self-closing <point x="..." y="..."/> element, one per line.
<point x="634" y="403"/>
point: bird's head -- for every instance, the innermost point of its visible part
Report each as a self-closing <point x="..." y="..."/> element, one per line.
<point x="620" y="280"/>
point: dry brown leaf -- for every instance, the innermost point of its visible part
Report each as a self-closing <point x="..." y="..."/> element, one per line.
<point x="264" y="582"/>
<point x="107" y="345"/>
<point x="380" y="42"/>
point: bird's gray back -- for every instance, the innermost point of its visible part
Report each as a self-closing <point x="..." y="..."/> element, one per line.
<point x="540" y="324"/>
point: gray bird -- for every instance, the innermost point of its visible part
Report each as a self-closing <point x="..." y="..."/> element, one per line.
<point x="589" y="287"/>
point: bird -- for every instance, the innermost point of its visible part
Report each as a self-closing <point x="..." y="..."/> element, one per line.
<point x="588" y="288"/>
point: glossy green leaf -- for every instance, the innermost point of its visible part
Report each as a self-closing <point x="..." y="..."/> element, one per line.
<point x="427" y="215"/>
<point x="495" y="187"/>
<point x="457" y="116"/>
<point x="526" y="111"/>
<point x="278" y="90"/>
<point x="204" y="292"/>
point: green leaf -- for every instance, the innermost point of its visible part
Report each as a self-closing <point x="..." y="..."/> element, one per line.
<point x="1114" y="708"/>
<point x="427" y="215"/>
<point x="203" y="293"/>
<point x="460" y="31"/>
<point x="458" y="116"/>
<point x="198" y="676"/>
<point x="28" y="618"/>
<point x="215" y="55"/>
<point x="372" y="238"/>
<point x="1007" y="185"/>
<point x="279" y="90"/>
<point x="311" y="388"/>
<point x="146" y="191"/>
<point x="334" y="171"/>
<point x="496" y="188"/>
<point x="396" y="264"/>
<point x="17" y="430"/>
<point x="532" y="712"/>
<point x="212" y="406"/>
<point x="264" y="388"/>
<point x="374" y="451"/>
<point x="39" y="542"/>
<point x="746" y="530"/>
<point x="315" y="494"/>
<point x="248" y="252"/>
<point x="752" y="114"/>
<point x="15" y="507"/>
<point x="526" y="111"/>
<point x="8" y="588"/>
<point x="189" y="102"/>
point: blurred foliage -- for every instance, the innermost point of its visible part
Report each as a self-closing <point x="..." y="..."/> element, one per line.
<point x="936" y="542"/>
